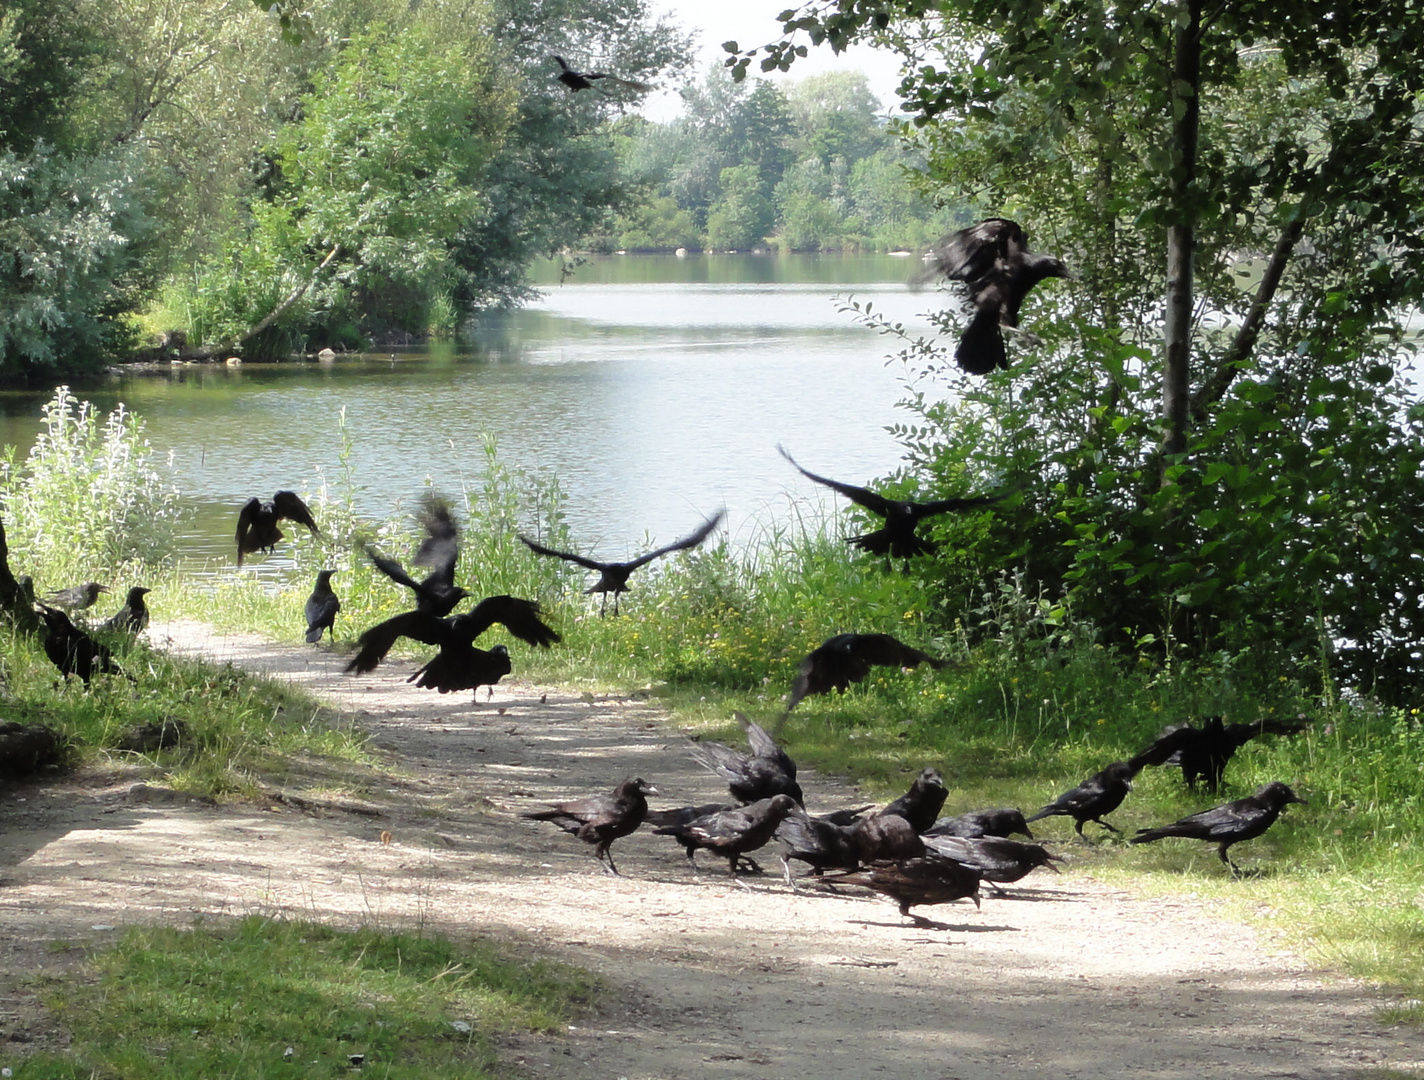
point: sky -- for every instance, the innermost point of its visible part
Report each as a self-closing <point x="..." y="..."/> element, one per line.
<point x="751" y="23"/>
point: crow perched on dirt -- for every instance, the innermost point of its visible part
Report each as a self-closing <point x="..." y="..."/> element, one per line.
<point x="455" y="633"/>
<point x="981" y="823"/>
<point x="321" y="609"/>
<point x="897" y="538"/>
<point x="1204" y="752"/>
<point x="72" y="650"/>
<point x="768" y="770"/>
<point x="732" y="833"/>
<point x="602" y="819"/>
<point x="1100" y="794"/>
<point x="79" y="597"/>
<point x="613" y="576"/>
<point x="583" y="80"/>
<point x="848" y="658"/>
<point x="994" y="859"/>
<point x="993" y="261"/>
<point x="1230" y="823"/>
<point x="921" y="804"/>
<point x="439" y="552"/>
<point x="132" y="618"/>
<point x="825" y="843"/>
<point x="257" y="522"/>
<point x="912" y="882"/>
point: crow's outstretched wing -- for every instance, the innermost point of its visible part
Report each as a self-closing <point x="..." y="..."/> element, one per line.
<point x="540" y="549"/>
<point x="288" y="506"/>
<point x="519" y="617"/>
<point x="375" y="643"/>
<point x="691" y="541"/>
<point x="876" y="504"/>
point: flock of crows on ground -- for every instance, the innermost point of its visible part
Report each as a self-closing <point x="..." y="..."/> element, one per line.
<point x="904" y="850"/>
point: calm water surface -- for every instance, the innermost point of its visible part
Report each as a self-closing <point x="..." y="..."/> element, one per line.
<point x="655" y="389"/>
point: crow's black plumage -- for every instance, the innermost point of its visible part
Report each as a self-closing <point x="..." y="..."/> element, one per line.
<point x="847" y="658"/>
<point x="827" y="842"/>
<point x="132" y="618"/>
<point x="681" y="815"/>
<point x="437" y="594"/>
<point x="1203" y="753"/>
<point x="584" y="80"/>
<point x="1230" y="823"/>
<point x="257" y="522"/>
<point x="921" y="804"/>
<point x="519" y="617"/>
<point x="79" y="598"/>
<point x="897" y="538"/>
<point x="461" y="666"/>
<point x="1100" y="794"/>
<point x="768" y="770"/>
<point x="602" y="819"/>
<point x="72" y="650"/>
<point x="613" y="576"/>
<point x="732" y="833"/>
<point x="992" y="259"/>
<point x="995" y="859"/>
<point x="981" y="823"/>
<point x="321" y="608"/>
<point x="930" y="879"/>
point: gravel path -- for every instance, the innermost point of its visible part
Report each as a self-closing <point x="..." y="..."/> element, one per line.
<point x="1068" y="979"/>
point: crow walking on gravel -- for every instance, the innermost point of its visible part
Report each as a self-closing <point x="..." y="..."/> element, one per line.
<point x="1230" y="823"/>
<point x="602" y="819"/>
<point x="732" y="833"/>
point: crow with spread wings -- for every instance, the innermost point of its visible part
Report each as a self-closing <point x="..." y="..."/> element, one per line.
<point x="257" y="522"/>
<point x="437" y="594"/>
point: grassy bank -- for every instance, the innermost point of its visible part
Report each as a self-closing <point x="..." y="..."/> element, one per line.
<point x="271" y="998"/>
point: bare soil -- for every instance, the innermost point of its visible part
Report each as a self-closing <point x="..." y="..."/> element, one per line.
<point x="1067" y="978"/>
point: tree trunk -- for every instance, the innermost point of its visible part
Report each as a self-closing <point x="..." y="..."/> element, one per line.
<point x="15" y="603"/>
<point x="1181" y="234"/>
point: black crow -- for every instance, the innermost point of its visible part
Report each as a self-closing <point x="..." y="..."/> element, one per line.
<point x="994" y="859"/>
<point x="1204" y="752"/>
<point x="321" y="609"/>
<point x="519" y="617"/>
<point x="1100" y="794"/>
<point x="613" y="576"/>
<point x="460" y="666"/>
<point x="583" y="80"/>
<point x="1230" y="823"/>
<point x="897" y="538"/>
<point x="980" y="823"/>
<point x="886" y="837"/>
<point x="822" y="845"/>
<point x="72" y="650"/>
<point x="602" y="819"/>
<point x="732" y="833"/>
<point x="132" y="618"/>
<point x="768" y="770"/>
<point x="993" y="261"/>
<point x="927" y="880"/>
<point x="681" y="815"/>
<point x="79" y="597"/>
<point x="257" y="522"/>
<point x="921" y="804"/>
<point x="440" y="550"/>
<point x="848" y="658"/>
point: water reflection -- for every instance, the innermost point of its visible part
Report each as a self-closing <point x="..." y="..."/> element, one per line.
<point x="654" y="389"/>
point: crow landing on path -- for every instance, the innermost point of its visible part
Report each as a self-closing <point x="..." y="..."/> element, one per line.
<point x="132" y="618"/>
<point x="1204" y="752"/>
<point x="897" y="538"/>
<point x="72" y="650"/>
<point x="322" y="606"/>
<point x="994" y="859"/>
<point x="602" y="819"/>
<point x="994" y="262"/>
<point x="731" y="833"/>
<point x="79" y="597"/>
<point x="613" y="576"/>
<point x="1230" y="823"/>
<point x="439" y="552"/>
<point x="257" y="522"/>
<point x="1100" y="794"/>
<point x="768" y="770"/>
<point x="928" y="880"/>
<point x="982" y="823"/>
<point x="846" y="658"/>
<point x="583" y="80"/>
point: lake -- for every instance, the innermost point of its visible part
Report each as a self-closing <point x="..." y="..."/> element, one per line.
<point x="655" y="388"/>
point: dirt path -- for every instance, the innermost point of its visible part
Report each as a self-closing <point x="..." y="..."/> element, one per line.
<point x="1073" y="979"/>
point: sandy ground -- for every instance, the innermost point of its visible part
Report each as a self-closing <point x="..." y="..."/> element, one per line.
<point x="1067" y="979"/>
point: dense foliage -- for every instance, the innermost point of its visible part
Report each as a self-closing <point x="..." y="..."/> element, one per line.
<point x="1218" y="443"/>
<point x="815" y="168"/>
<point x="219" y="174"/>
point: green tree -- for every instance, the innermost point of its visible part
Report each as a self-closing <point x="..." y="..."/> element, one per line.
<point x="743" y="215"/>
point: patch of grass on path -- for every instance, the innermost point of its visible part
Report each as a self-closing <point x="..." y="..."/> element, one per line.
<point x="229" y="1000"/>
